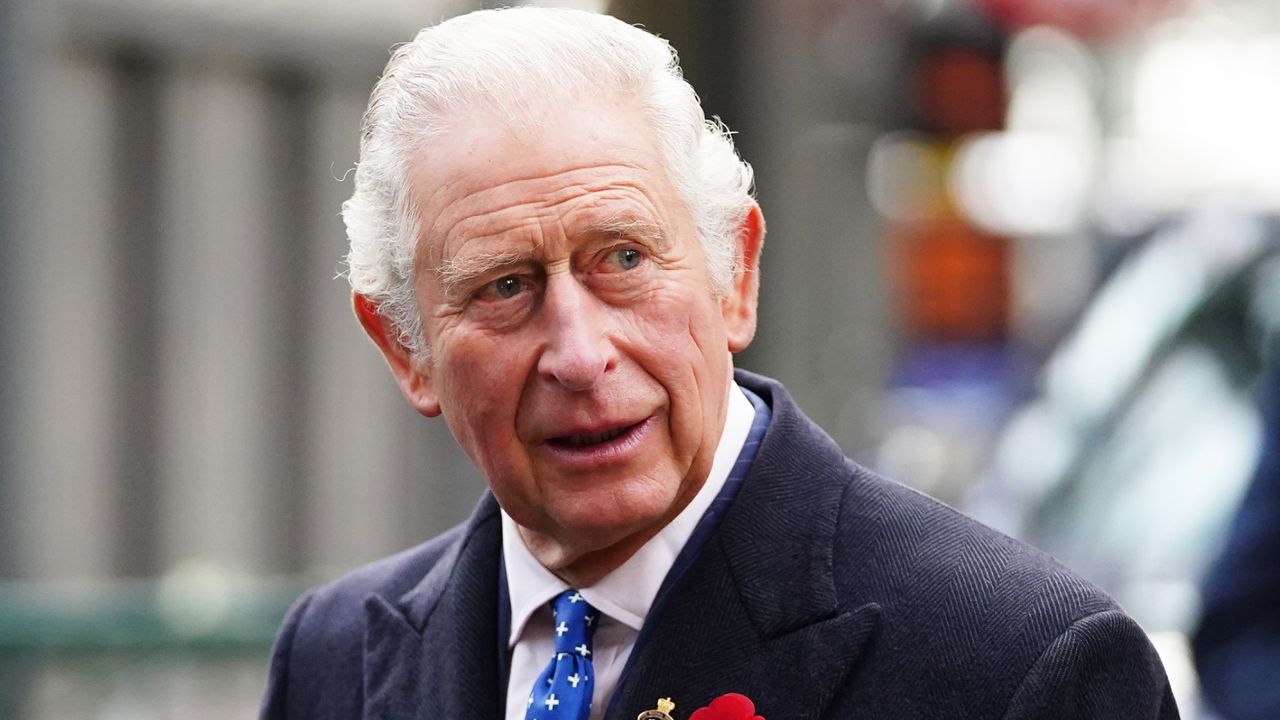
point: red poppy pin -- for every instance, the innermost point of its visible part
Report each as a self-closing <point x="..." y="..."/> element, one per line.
<point x="727" y="707"/>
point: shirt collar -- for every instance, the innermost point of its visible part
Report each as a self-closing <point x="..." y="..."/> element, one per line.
<point x="627" y="593"/>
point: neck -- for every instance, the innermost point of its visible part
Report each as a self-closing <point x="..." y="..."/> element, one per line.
<point x="589" y="568"/>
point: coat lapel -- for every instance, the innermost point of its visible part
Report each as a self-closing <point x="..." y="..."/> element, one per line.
<point x="434" y="652"/>
<point x="758" y="612"/>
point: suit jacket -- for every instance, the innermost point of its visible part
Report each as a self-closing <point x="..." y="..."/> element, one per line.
<point x="825" y="592"/>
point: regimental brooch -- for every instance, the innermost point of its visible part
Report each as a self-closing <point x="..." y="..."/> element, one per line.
<point x="665" y="706"/>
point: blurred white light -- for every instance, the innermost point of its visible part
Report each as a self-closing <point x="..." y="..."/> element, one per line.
<point x="1135" y="188"/>
<point x="1052" y="103"/>
<point x="1174" y="650"/>
<point x="1021" y="183"/>
<point x="1052" y="82"/>
<point x="195" y="597"/>
<point x="903" y="177"/>
<point x="1207" y="99"/>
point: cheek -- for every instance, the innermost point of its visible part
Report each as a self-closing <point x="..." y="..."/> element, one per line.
<point x="682" y="337"/>
<point x="480" y="386"/>
<point x="681" y="344"/>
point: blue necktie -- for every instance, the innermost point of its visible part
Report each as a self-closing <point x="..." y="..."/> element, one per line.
<point x="563" y="691"/>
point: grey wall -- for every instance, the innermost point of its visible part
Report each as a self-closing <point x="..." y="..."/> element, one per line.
<point x="820" y="91"/>
<point x="189" y="384"/>
<point x="9" y="56"/>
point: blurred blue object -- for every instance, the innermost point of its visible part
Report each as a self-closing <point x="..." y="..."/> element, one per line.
<point x="1238" y="642"/>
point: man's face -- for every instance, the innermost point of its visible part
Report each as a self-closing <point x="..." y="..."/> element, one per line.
<point x="577" y="350"/>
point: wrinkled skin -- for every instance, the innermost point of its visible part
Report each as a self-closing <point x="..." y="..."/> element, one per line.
<point x="577" y="351"/>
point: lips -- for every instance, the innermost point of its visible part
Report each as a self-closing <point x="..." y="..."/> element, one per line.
<point x="587" y="439"/>
<point x="604" y="445"/>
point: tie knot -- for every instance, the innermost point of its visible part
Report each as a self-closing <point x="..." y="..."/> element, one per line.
<point x="575" y="623"/>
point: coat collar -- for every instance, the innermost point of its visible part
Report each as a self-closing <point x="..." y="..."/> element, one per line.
<point x="765" y="586"/>
<point x="433" y="652"/>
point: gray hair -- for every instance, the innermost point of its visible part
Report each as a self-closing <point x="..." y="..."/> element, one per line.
<point x="506" y="60"/>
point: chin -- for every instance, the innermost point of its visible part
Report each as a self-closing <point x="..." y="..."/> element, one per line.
<point x="600" y="531"/>
<point x="590" y="529"/>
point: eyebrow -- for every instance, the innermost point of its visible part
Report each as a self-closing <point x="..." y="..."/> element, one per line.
<point x="625" y="226"/>
<point x="456" y="273"/>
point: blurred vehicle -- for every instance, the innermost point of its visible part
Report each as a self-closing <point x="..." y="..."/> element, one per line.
<point x="1129" y="461"/>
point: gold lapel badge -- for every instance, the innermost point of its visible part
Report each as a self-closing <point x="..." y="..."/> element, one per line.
<point x="665" y="706"/>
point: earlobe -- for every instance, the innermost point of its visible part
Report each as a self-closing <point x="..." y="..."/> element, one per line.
<point x="411" y="374"/>
<point x="739" y="305"/>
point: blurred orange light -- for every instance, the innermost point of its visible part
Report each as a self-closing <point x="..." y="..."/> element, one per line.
<point x="951" y="280"/>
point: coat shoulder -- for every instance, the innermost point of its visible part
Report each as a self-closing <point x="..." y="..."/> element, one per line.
<point x="969" y="568"/>
<point x="990" y="616"/>
<point x="895" y="546"/>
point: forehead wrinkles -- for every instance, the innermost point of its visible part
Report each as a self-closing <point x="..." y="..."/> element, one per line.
<point x="527" y="205"/>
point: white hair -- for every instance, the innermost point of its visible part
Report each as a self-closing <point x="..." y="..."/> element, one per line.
<point x="507" y="61"/>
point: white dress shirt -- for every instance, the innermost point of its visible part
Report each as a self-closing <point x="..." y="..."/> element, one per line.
<point x="624" y="596"/>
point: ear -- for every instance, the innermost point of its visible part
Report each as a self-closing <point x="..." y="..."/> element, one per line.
<point x="738" y="306"/>
<point x="412" y="374"/>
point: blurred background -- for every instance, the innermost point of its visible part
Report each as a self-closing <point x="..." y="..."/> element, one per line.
<point x="1021" y="256"/>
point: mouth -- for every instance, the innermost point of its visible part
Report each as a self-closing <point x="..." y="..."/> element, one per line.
<point x="587" y="440"/>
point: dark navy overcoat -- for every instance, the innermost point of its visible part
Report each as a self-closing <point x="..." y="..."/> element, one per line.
<point x="824" y="591"/>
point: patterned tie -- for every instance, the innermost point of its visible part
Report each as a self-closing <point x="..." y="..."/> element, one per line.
<point x="563" y="691"/>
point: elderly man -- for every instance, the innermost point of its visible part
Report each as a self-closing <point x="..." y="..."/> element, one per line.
<point x="556" y="252"/>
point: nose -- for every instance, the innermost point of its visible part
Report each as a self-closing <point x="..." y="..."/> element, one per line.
<point x="578" y="352"/>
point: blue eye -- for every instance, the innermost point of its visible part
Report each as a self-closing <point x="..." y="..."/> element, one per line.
<point x="628" y="258"/>
<point x="507" y="287"/>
